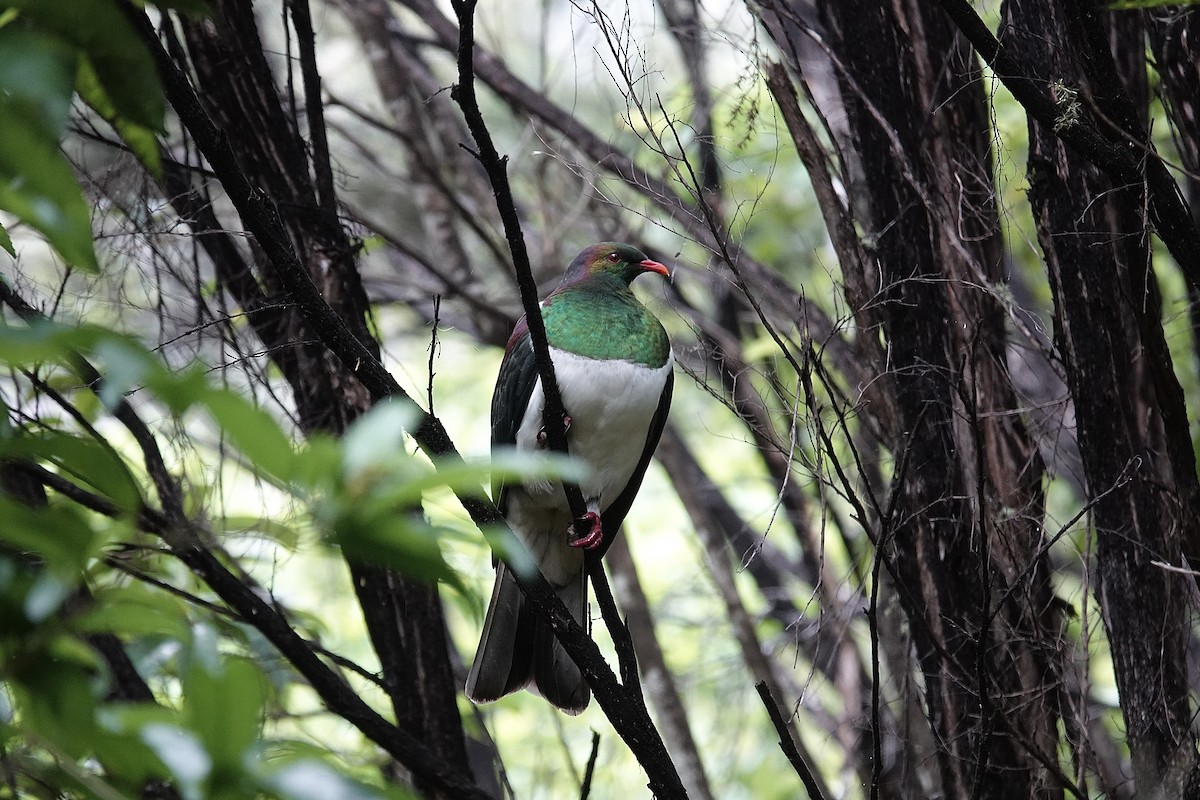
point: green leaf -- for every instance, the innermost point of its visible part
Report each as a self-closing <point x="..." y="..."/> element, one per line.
<point x="414" y="478"/>
<point x="35" y="344"/>
<point x="121" y="61"/>
<point x="280" y="532"/>
<point x="141" y="139"/>
<point x="46" y="595"/>
<point x="397" y="539"/>
<point x="309" y="779"/>
<point x="56" y="700"/>
<point x="319" y="463"/>
<point x="6" y="243"/>
<point x="27" y="530"/>
<point x="123" y="718"/>
<point x="507" y="546"/>
<point x="179" y="390"/>
<point x="37" y="78"/>
<point x="122" y="360"/>
<point x="124" y="364"/>
<point x="133" y="610"/>
<point x="377" y="438"/>
<point x="254" y="431"/>
<point x="85" y="459"/>
<point x="122" y="748"/>
<point x="183" y="754"/>
<point x="224" y="701"/>
<point x="37" y="185"/>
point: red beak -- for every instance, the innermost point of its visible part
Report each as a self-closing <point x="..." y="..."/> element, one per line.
<point x="654" y="266"/>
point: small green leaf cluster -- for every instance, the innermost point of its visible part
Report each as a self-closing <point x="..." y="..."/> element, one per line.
<point x="67" y="737"/>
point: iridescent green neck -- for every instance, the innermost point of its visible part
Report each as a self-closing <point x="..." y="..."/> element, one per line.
<point x="605" y="322"/>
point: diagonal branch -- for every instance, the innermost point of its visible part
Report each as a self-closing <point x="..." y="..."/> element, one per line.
<point x="496" y="167"/>
<point x="788" y="744"/>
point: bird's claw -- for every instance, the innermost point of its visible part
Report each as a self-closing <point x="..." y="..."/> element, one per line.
<point x="541" y="434"/>
<point x="592" y="538"/>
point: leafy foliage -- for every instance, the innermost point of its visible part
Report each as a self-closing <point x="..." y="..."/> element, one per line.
<point x="65" y="579"/>
<point x="777" y="545"/>
<point x="48" y="51"/>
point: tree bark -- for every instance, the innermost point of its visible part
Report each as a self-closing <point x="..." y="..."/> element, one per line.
<point x="962" y="531"/>
<point x="404" y="617"/>
<point x="1130" y="416"/>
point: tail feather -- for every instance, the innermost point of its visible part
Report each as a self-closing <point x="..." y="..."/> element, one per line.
<point x="554" y="673"/>
<point x="518" y="648"/>
<point x="504" y="658"/>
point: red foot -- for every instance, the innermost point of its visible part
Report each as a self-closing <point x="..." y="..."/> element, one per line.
<point x="590" y="540"/>
<point x="541" y="434"/>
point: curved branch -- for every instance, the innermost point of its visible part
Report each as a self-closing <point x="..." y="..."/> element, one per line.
<point x="787" y="743"/>
<point x="496" y="167"/>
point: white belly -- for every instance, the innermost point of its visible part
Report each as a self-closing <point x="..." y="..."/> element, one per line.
<point x="611" y="405"/>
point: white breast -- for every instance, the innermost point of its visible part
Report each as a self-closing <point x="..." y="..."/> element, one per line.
<point x="611" y="405"/>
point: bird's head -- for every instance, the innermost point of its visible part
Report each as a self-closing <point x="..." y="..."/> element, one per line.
<point x="614" y="259"/>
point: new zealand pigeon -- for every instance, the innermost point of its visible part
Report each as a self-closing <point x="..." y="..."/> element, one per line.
<point x="613" y="364"/>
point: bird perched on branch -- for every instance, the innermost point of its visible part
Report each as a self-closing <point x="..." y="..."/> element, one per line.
<point x="613" y="366"/>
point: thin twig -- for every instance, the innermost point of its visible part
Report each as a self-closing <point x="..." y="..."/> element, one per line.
<point x="624" y="705"/>
<point x="876" y="726"/>
<point x="433" y="345"/>
<point x="315" y="108"/>
<point x="585" y="788"/>
<point x="787" y="744"/>
<point x="496" y="167"/>
<point x="626" y="655"/>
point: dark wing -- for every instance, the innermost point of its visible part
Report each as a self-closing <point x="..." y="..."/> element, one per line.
<point x="614" y="515"/>
<point x="514" y="386"/>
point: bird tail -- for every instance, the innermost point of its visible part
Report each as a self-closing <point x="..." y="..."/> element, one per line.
<point x="518" y="648"/>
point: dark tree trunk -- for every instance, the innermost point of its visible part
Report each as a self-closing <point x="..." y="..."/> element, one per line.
<point x="404" y="617"/>
<point x="1132" y="426"/>
<point x="962" y="532"/>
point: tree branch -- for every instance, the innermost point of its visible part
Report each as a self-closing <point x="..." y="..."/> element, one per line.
<point x="315" y="108"/>
<point x="496" y="167"/>
<point x="262" y="220"/>
<point x="184" y="538"/>
<point x="787" y="743"/>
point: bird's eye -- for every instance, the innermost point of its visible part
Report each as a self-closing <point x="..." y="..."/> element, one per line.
<point x="614" y="257"/>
